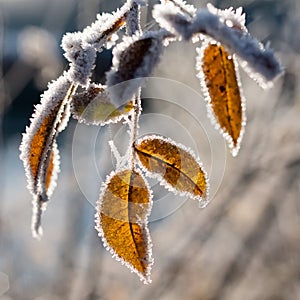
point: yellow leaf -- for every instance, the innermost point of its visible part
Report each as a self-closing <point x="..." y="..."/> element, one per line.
<point x="121" y="218"/>
<point x="176" y="167"/>
<point x="226" y="105"/>
<point x="93" y="106"/>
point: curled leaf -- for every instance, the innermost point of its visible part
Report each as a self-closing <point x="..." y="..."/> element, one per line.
<point x="121" y="220"/>
<point x="221" y="86"/>
<point x="174" y="165"/>
<point x="39" y="151"/>
<point x="93" y="107"/>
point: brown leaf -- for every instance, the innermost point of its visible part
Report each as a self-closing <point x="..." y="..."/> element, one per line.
<point x="134" y="60"/>
<point x="120" y="22"/>
<point x="221" y="86"/>
<point x="93" y="106"/>
<point x="177" y="167"/>
<point x="122" y="212"/>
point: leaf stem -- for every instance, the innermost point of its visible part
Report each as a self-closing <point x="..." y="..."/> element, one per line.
<point x="133" y="26"/>
<point x="135" y="125"/>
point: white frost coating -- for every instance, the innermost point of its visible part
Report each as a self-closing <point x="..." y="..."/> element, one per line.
<point x="130" y="80"/>
<point x="50" y="100"/>
<point x="81" y="65"/>
<point x="228" y="32"/>
<point x="38" y="207"/>
<point x="133" y="20"/>
<point x="145" y="278"/>
<point x="203" y="202"/>
<point x="55" y="171"/>
<point x="101" y="30"/>
<point x="237" y="19"/>
<point x="182" y="5"/>
<point x="114" y="150"/>
<point x="81" y="57"/>
<point x="65" y="118"/>
<point x="210" y="113"/>
<point x="230" y="17"/>
<point x="170" y="17"/>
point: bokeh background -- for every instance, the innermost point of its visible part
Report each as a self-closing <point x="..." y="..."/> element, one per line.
<point x="244" y="245"/>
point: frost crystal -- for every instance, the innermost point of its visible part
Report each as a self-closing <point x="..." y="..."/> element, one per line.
<point x="170" y="17"/>
<point x="99" y="32"/>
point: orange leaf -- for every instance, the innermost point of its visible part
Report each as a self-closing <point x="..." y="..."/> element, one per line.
<point x="176" y="167"/>
<point x="226" y="106"/>
<point x="38" y="146"/>
<point x="93" y="106"/>
<point x="39" y="150"/>
<point x="122" y="212"/>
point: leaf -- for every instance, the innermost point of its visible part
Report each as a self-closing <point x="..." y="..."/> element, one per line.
<point x="121" y="220"/>
<point x="174" y="165"/>
<point x="93" y="107"/>
<point x="134" y="59"/>
<point x="38" y="148"/>
<point x="221" y="86"/>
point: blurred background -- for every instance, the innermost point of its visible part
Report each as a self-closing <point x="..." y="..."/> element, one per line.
<point x="244" y="245"/>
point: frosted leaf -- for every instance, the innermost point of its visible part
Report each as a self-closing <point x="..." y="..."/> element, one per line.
<point x="259" y="59"/>
<point x="49" y="107"/>
<point x="226" y="105"/>
<point x="236" y="19"/>
<point x="175" y="166"/>
<point x="133" y="60"/>
<point x="39" y="152"/>
<point x="93" y="107"/>
<point x="123" y="208"/>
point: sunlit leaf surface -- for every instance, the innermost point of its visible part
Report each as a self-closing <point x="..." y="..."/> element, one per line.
<point x="122" y="212"/>
<point x="93" y="106"/>
<point x="175" y="165"/>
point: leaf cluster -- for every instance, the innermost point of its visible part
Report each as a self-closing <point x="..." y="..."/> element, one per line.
<point x="125" y="199"/>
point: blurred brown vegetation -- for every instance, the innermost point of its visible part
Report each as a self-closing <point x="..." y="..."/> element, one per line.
<point x="244" y="245"/>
